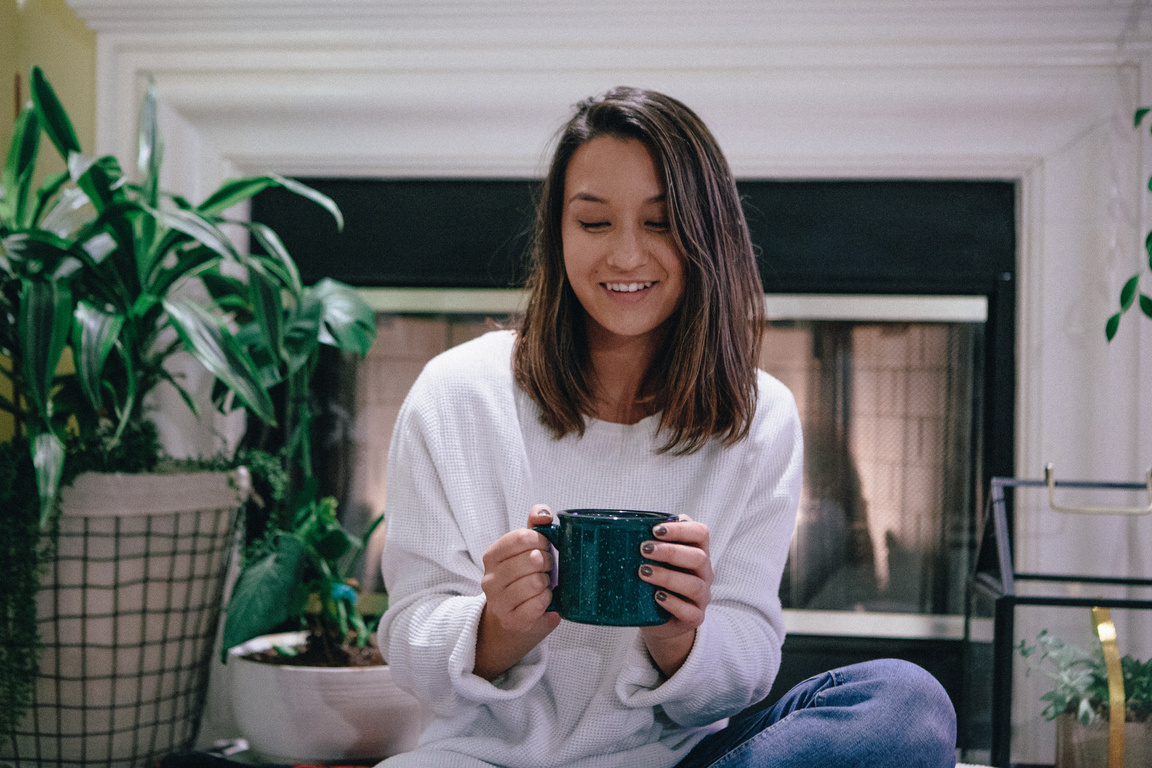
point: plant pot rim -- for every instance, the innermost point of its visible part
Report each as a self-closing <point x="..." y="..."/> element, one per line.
<point x="298" y="638"/>
<point x="112" y="494"/>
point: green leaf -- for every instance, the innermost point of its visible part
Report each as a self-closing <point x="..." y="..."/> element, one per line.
<point x="263" y="593"/>
<point x="223" y="288"/>
<point x="42" y="326"/>
<point x="347" y="321"/>
<point x="44" y="195"/>
<point x="1146" y="305"/>
<point x="232" y="192"/>
<point x="94" y="335"/>
<point x="1112" y="326"/>
<point x="278" y="258"/>
<point x="1139" y="116"/>
<point x="16" y="178"/>
<point x="70" y="214"/>
<point x="334" y="544"/>
<point x="319" y="198"/>
<point x="37" y="252"/>
<point x="217" y="349"/>
<point x="302" y="332"/>
<point x="149" y="149"/>
<point x="1128" y="293"/>
<point x="266" y="306"/>
<point x="189" y="263"/>
<point x="235" y="191"/>
<point x="48" y="461"/>
<point x="56" y="123"/>
<point x="103" y="182"/>
<point x="196" y="227"/>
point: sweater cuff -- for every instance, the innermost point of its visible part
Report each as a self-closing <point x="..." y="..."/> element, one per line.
<point x="462" y="661"/>
<point x="683" y="695"/>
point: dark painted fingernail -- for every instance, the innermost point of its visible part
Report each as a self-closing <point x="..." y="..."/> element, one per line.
<point x="660" y="530"/>
<point x="645" y="570"/>
<point x="648" y="548"/>
<point x="661" y="596"/>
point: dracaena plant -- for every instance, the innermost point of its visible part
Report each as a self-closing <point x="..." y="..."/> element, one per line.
<point x="294" y="574"/>
<point x="101" y="267"/>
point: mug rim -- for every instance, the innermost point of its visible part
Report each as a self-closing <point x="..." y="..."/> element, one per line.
<point x="611" y="513"/>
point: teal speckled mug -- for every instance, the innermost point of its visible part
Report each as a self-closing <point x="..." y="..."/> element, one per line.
<point x="596" y="563"/>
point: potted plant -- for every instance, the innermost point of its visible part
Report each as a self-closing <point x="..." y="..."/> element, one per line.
<point x="307" y="681"/>
<point x="96" y="268"/>
<point x="321" y="692"/>
<point x="1078" y="702"/>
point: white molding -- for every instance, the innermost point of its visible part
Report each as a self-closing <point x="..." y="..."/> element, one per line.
<point x="1034" y="91"/>
<point x="815" y="25"/>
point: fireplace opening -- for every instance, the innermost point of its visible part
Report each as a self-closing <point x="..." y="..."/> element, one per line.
<point x="892" y="320"/>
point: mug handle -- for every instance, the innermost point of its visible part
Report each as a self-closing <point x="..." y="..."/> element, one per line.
<point x="552" y="533"/>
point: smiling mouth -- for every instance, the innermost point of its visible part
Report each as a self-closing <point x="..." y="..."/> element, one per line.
<point x="628" y="287"/>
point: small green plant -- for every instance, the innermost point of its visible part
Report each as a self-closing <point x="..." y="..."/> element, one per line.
<point x="299" y="579"/>
<point x="1080" y="680"/>
<point x="1130" y="293"/>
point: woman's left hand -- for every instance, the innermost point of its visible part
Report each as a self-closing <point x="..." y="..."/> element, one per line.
<point x="684" y="589"/>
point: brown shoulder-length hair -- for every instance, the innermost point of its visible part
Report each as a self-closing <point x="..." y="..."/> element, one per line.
<point x="704" y="379"/>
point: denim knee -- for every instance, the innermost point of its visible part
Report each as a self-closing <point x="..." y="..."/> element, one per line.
<point x="916" y="698"/>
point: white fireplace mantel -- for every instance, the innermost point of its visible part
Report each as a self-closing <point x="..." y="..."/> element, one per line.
<point x="1037" y="91"/>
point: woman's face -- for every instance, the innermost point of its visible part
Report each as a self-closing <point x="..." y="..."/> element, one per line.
<point x="619" y="253"/>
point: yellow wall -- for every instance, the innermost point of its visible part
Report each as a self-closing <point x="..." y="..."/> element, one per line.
<point x="49" y="34"/>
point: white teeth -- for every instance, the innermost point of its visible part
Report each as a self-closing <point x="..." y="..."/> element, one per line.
<point x="627" y="287"/>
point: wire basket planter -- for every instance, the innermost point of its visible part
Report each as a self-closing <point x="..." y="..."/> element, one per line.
<point x="128" y="613"/>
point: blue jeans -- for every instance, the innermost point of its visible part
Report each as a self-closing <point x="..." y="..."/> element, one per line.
<point x="878" y="714"/>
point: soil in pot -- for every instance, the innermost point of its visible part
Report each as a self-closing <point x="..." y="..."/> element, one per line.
<point x="316" y="653"/>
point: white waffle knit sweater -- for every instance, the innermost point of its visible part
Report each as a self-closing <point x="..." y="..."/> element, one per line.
<point x="469" y="458"/>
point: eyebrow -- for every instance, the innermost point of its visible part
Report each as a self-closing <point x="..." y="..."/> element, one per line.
<point x="590" y="198"/>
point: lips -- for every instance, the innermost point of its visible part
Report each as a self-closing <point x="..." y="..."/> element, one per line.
<point x="628" y="287"/>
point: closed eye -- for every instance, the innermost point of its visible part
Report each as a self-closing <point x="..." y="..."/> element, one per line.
<point x="593" y="225"/>
<point x="661" y="225"/>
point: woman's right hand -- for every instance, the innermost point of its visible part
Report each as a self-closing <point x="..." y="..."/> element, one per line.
<point x="517" y="569"/>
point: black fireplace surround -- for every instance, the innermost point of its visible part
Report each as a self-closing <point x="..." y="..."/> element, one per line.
<point x="912" y="237"/>
<point x="890" y="237"/>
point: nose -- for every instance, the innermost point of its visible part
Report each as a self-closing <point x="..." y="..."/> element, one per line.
<point x="626" y="252"/>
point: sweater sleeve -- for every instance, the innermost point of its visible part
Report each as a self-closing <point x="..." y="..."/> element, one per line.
<point x="736" y="654"/>
<point x="432" y="566"/>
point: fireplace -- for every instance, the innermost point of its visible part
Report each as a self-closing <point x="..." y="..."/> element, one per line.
<point x="901" y="364"/>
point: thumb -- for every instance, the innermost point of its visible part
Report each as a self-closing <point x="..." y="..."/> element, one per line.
<point x="539" y="515"/>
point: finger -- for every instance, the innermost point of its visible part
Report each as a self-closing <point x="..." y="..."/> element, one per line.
<point x="690" y="587"/>
<point x="530" y="561"/>
<point x="515" y="544"/>
<point x="687" y="531"/>
<point x="523" y="615"/>
<point x="684" y="610"/>
<point x="540" y="514"/>
<point x="529" y="589"/>
<point x="684" y="557"/>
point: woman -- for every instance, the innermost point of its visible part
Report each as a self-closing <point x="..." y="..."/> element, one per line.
<point x="631" y="384"/>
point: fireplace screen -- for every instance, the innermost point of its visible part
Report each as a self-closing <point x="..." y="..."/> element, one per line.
<point x="888" y="422"/>
<point x="889" y="419"/>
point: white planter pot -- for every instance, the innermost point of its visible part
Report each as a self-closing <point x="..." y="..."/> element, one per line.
<point x="292" y="714"/>
<point x="127" y="613"/>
